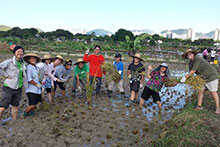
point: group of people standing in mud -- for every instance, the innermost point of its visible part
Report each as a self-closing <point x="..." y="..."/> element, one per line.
<point x="35" y="75"/>
<point x="211" y="55"/>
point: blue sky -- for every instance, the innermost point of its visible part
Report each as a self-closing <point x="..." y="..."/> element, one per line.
<point x="156" y="15"/>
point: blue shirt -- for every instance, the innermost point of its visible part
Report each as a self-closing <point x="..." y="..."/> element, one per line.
<point x="119" y="66"/>
<point x="62" y="73"/>
<point x="33" y="74"/>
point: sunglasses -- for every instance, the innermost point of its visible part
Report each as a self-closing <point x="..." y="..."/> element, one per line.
<point x="68" y="64"/>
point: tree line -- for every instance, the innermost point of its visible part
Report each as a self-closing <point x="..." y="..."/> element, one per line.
<point x="124" y="38"/>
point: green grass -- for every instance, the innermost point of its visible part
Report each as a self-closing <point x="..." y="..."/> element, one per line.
<point x="191" y="127"/>
<point x="5" y="52"/>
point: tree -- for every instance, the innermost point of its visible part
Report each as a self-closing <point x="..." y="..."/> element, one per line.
<point x="120" y="35"/>
<point x="16" y="31"/>
<point x="137" y="44"/>
<point x="204" y="42"/>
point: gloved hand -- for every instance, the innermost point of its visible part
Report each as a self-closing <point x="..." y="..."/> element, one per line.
<point x="183" y="79"/>
<point x="79" y="88"/>
<point x="39" y="85"/>
<point x="129" y="76"/>
<point x="58" y="80"/>
<point x="87" y="51"/>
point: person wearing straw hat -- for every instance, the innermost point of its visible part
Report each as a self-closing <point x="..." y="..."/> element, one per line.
<point x="136" y="76"/>
<point x="63" y="73"/>
<point x="33" y="90"/>
<point x="81" y="74"/>
<point x="95" y="70"/>
<point x="14" y="71"/>
<point x="49" y="78"/>
<point x="118" y="64"/>
<point x="201" y="67"/>
<point x="46" y="60"/>
<point x="153" y="86"/>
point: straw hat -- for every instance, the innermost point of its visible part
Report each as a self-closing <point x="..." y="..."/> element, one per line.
<point x="46" y="57"/>
<point x="79" y="61"/>
<point x="31" y="55"/>
<point x="137" y="55"/>
<point x="187" y="51"/>
<point x="59" y="57"/>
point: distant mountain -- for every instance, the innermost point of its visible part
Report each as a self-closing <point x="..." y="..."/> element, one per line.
<point x="99" y="32"/>
<point x="138" y="32"/>
<point x="210" y="34"/>
<point x="184" y="31"/>
<point x="4" y="28"/>
<point x="177" y="31"/>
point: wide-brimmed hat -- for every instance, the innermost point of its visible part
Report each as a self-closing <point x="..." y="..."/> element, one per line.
<point x="31" y="55"/>
<point x="137" y="55"/>
<point x="59" y="57"/>
<point x="46" y="57"/>
<point x="187" y="51"/>
<point x="79" y="61"/>
<point x="164" y="65"/>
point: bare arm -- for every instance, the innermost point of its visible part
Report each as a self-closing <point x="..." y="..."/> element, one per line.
<point x="142" y="77"/>
<point x="33" y="83"/>
<point x="77" y="79"/>
<point x="190" y="73"/>
<point x="149" y="71"/>
<point x="129" y="72"/>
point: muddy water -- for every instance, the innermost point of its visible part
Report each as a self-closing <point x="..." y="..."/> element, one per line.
<point x="107" y="122"/>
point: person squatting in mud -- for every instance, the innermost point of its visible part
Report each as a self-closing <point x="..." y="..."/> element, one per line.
<point x="136" y="75"/>
<point x="14" y="71"/>
<point x="157" y="78"/>
<point x="81" y="74"/>
<point x="63" y="73"/>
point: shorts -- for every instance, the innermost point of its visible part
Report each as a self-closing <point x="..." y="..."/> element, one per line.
<point x="60" y="84"/>
<point x="10" y="96"/>
<point x="148" y="92"/>
<point x="212" y="86"/>
<point x="34" y="98"/>
<point x="212" y="59"/>
<point x="134" y="86"/>
<point x="48" y="90"/>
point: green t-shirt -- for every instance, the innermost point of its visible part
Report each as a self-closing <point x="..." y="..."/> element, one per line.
<point x="81" y="72"/>
<point x="204" y="69"/>
<point x="20" y="78"/>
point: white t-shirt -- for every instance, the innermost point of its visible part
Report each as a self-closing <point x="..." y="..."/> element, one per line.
<point x="213" y="53"/>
